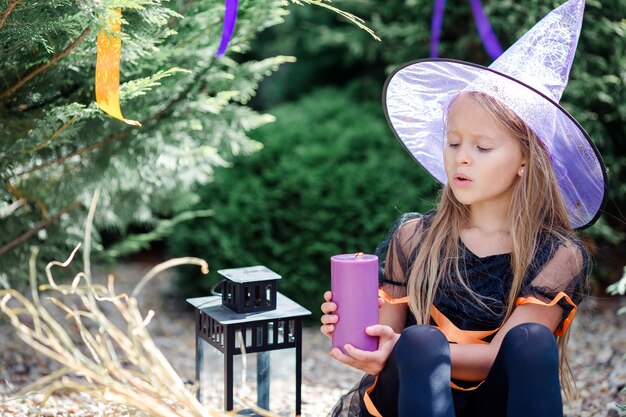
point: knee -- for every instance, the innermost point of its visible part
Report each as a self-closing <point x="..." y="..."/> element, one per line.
<point x="530" y="333"/>
<point x="531" y="343"/>
<point x="421" y="339"/>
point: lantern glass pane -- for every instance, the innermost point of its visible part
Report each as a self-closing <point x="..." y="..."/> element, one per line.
<point x="283" y="376"/>
<point x="266" y="379"/>
<point x="211" y="375"/>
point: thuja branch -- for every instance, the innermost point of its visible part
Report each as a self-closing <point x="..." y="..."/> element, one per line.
<point x="108" y="139"/>
<point x="42" y="225"/>
<point x="29" y="76"/>
<point x="55" y="134"/>
<point x="114" y="137"/>
<point x="8" y="11"/>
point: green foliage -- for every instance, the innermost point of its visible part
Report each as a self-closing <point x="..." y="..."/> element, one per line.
<point x="57" y="146"/>
<point x="619" y="288"/>
<point x="329" y="53"/>
<point x="138" y="242"/>
<point x="330" y="179"/>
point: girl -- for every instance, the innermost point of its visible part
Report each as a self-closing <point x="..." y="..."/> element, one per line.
<point x="473" y="293"/>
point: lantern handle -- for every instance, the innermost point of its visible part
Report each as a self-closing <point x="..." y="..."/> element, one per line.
<point x="213" y="292"/>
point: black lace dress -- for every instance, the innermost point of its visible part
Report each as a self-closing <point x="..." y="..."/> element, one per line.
<point x="558" y="267"/>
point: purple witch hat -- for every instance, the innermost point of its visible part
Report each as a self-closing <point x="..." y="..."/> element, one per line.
<point x="529" y="78"/>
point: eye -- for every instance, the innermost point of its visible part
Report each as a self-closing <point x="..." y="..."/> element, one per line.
<point x="481" y="149"/>
<point x="453" y="145"/>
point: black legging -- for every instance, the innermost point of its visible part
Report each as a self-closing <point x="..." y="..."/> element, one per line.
<point x="523" y="381"/>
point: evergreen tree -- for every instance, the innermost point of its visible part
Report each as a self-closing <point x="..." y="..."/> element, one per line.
<point x="57" y="146"/>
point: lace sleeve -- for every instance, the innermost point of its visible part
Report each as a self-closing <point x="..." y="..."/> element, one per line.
<point x="395" y="254"/>
<point x="562" y="280"/>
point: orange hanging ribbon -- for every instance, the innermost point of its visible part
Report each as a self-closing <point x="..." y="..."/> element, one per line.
<point x="108" y="68"/>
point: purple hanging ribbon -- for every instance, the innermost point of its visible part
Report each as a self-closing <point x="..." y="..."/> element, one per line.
<point x="482" y="23"/>
<point x="437" y="24"/>
<point x="485" y="31"/>
<point x="230" y="16"/>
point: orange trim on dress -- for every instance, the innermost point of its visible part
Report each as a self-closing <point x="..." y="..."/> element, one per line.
<point x="456" y="387"/>
<point x="390" y="300"/>
<point x="371" y="408"/>
<point x="369" y="404"/>
<point x="559" y="296"/>
<point x="452" y="333"/>
<point x="456" y="335"/>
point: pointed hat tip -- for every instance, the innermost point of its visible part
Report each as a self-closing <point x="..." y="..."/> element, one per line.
<point x="577" y="4"/>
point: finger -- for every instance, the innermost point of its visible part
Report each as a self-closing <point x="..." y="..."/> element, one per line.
<point x="358" y="354"/>
<point x="328" y="330"/>
<point x="329" y="307"/>
<point x="380" y="330"/>
<point x="381" y="302"/>
<point x="337" y="354"/>
<point x="328" y="295"/>
<point x="329" y="319"/>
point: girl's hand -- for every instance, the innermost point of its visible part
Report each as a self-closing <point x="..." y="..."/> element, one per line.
<point x="329" y="319"/>
<point x="369" y="362"/>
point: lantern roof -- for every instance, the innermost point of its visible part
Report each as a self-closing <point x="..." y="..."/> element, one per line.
<point x="249" y="274"/>
<point x="212" y="306"/>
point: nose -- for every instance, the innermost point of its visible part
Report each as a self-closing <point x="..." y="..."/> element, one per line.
<point x="463" y="156"/>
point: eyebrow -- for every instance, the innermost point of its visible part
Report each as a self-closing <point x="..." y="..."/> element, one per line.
<point x="454" y="132"/>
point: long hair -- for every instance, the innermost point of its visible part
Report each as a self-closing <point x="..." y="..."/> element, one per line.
<point x="536" y="207"/>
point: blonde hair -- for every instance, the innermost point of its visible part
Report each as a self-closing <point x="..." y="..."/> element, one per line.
<point x="438" y="261"/>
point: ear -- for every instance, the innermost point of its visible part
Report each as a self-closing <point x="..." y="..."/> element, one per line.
<point x="521" y="169"/>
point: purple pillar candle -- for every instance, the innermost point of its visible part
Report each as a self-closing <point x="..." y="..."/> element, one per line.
<point x="354" y="284"/>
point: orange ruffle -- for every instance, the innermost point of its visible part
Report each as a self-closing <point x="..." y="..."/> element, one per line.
<point x="456" y="335"/>
<point x="452" y="333"/>
<point x="369" y="404"/>
<point x="568" y="320"/>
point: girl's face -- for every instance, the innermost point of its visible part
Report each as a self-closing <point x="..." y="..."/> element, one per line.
<point x="482" y="160"/>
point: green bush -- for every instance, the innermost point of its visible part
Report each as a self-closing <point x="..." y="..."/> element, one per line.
<point x="330" y="52"/>
<point x="330" y="179"/>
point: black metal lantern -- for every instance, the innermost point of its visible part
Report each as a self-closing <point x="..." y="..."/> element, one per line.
<point x="249" y="322"/>
<point x="249" y="290"/>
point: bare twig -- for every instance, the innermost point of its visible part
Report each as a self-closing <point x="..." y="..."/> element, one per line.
<point x="88" y="226"/>
<point x="29" y="76"/>
<point x="55" y="134"/>
<point x="8" y="210"/>
<point x="8" y="11"/>
<point x="42" y="225"/>
<point x="349" y="16"/>
<point x="108" y="139"/>
<point x="166" y="265"/>
<point x="120" y="366"/>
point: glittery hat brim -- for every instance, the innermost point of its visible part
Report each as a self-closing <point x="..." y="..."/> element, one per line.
<point x="417" y="94"/>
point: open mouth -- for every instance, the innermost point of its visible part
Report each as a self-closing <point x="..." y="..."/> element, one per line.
<point x="461" y="181"/>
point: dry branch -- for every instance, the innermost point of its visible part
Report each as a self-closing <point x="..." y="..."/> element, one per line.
<point x="8" y="11"/>
<point x="39" y="69"/>
<point x="113" y="364"/>
<point x="42" y="225"/>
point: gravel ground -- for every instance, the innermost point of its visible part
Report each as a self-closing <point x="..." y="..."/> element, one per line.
<point x="597" y="348"/>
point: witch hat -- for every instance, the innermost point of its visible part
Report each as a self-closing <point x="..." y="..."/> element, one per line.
<point x="529" y="78"/>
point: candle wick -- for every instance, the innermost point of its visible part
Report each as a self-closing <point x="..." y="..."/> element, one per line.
<point x="357" y="254"/>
